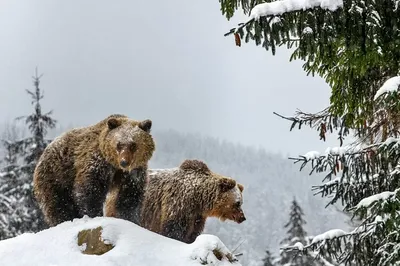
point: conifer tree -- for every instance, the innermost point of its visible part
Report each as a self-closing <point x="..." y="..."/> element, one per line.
<point x="268" y="259"/>
<point x="38" y="123"/>
<point x="8" y="182"/>
<point x="354" y="45"/>
<point x="16" y="185"/>
<point x="296" y="235"/>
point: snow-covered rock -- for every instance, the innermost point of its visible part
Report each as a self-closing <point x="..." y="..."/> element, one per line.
<point x="121" y="243"/>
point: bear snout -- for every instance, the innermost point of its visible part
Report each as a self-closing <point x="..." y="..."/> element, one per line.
<point x="123" y="163"/>
<point x="241" y="219"/>
<point x="125" y="158"/>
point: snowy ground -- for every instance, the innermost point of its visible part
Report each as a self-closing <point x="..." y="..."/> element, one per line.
<point x="133" y="246"/>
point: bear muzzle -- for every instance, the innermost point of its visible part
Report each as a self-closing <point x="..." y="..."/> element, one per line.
<point x="123" y="163"/>
<point x="125" y="159"/>
<point x="240" y="217"/>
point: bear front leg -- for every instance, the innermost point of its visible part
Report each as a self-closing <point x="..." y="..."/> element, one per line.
<point x="175" y="229"/>
<point x="90" y="190"/>
<point x="128" y="202"/>
<point x="198" y="227"/>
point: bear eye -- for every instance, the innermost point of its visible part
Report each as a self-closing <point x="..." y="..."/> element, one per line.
<point x="133" y="146"/>
<point x="119" y="146"/>
<point x="237" y="204"/>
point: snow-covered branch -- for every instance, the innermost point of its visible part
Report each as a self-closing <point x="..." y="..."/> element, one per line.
<point x="379" y="220"/>
<point x="390" y="144"/>
<point x="355" y="172"/>
<point x="390" y="85"/>
<point x="383" y="196"/>
<point x="334" y="239"/>
<point x="286" y="6"/>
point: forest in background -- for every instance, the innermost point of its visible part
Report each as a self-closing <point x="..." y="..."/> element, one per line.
<point x="271" y="183"/>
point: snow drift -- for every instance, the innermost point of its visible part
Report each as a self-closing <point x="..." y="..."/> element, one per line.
<point x="128" y="244"/>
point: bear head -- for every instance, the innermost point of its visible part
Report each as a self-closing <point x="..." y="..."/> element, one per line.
<point x="127" y="144"/>
<point x="227" y="204"/>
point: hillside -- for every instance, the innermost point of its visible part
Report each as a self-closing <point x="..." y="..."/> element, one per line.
<point x="127" y="244"/>
<point x="270" y="181"/>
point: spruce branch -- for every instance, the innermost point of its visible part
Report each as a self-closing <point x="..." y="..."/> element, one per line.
<point x="323" y="121"/>
<point x="354" y="173"/>
<point x="278" y="8"/>
<point x="239" y="28"/>
<point x="333" y="241"/>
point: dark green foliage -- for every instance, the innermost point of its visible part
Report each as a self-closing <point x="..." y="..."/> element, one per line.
<point x="356" y="49"/>
<point x="366" y="182"/>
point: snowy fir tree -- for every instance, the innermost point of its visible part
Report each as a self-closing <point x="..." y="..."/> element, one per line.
<point x="21" y="213"/>
<point x="296" y="235"/>
<point x="38" y="123"/>
<point x="355" y="46"/>
<point x="269" y="259"/>
<point x="9" y="199"/>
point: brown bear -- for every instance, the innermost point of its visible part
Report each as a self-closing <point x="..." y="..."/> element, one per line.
<point x="73" y="174"/>
<point x="178" y="201"/>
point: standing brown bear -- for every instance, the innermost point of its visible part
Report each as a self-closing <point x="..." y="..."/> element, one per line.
<point x="73" y="174"/>
<point x="178" y="201"/>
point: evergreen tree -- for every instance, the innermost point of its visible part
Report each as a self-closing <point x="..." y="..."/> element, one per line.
<point x="38" y="123"/>
<point x="355" y="46"/>
<point x="8" y="183"/>
<point x="296" y="235"/>
<point x="352" y="44"/>
<point x="268" y="259"/>
<point x="21" y="213"/>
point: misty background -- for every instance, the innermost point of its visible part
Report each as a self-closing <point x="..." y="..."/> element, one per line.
<point x="208" y="99"/>
<point x="163" y="60"/>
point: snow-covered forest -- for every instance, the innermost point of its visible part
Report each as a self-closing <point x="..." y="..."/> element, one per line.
<point x="337" y="206"/>
<point x="271" y="182"/>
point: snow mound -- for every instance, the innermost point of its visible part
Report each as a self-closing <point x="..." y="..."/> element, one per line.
<point x="132" y="245"/>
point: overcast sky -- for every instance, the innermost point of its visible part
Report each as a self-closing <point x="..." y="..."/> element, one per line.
<point x="163" y="60"/>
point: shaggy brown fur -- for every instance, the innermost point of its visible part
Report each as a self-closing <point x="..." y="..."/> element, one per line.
<point x="178" y="201"/>
<point x="72" y="176"/>
<point x="124" y="198"/>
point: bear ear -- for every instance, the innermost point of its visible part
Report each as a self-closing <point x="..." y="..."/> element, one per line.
<point x="145" y="125"/>
<point x="240" y="186"/>
<point x="226" y="184"/>
<point x="113" y="123"/>
<point x="195" y="165"/>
